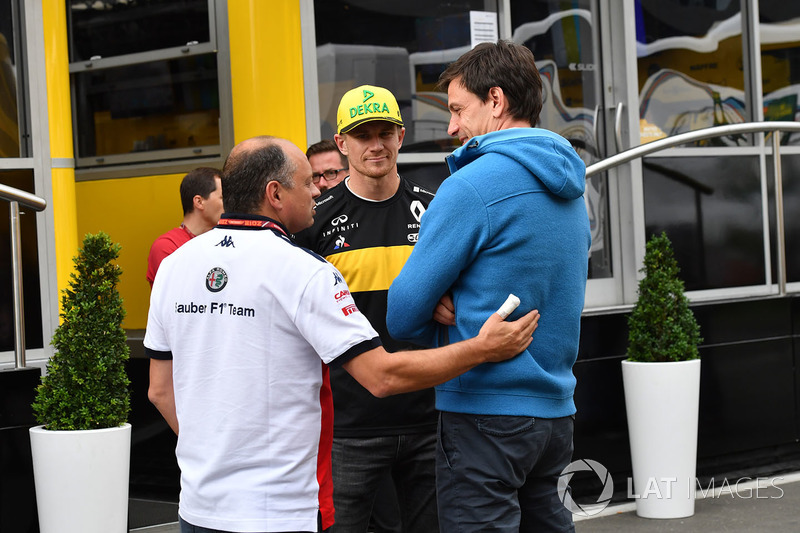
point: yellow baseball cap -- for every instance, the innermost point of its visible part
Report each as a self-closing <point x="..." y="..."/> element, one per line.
<point x="365" y="104"/>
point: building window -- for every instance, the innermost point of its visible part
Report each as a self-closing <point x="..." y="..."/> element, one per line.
<point x="14" y="140"/>
<point x="691" y="68"/>
<point x="711" y="209"/>
<point x="406" y="46"/>
<point x="565" y="42"/>
<point x="790" y="172"/>
<point x="780" y="62"/>
<point x="23" y="180"/>
<point x="145" y="83"/>
<point x="400" y="46"/>
<point x="15" y="171"/>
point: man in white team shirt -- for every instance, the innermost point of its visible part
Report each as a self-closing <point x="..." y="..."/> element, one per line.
<point x="248" y="323"/>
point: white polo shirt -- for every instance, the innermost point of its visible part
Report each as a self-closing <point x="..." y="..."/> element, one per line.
<point x="249" y="318"/>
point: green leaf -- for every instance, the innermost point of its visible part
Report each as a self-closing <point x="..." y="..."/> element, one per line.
<point x="661" y="326"/>
<point x="86" y="385"/>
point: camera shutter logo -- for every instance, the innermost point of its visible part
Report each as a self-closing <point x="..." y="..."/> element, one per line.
<point x="585" y="465"/>
<point x="216" y="279"/>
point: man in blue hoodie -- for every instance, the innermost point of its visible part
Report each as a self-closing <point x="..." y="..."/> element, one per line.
<point x="510" y="219"/>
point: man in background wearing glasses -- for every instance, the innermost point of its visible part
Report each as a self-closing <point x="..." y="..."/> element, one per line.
<point x="328" y="164"/>
<point x="367" y="227"/>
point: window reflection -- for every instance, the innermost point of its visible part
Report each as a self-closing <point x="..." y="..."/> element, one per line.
<point x="23" y="180"/>
<point x="159" y="99"/>
<point x="780" y="62"/>
<point x="109" y="28"/>
<point x="159" y="105"/>
<point x="563" y="43"/>
<point x="356" y="45"/>
<point x="9" y="121"/>
<point x="790" y="174"/>
<point x="402" y="46"/>
<point x="691" y="71"/>
<point x="710" y="208"/>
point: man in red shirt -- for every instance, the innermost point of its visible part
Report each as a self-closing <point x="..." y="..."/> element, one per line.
<point x="201" y="198"/>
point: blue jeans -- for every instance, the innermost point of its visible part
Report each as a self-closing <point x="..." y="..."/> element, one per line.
<point x="186" y="527"/>
<point x="500" y="473"/>
<point x="360" y="466"/>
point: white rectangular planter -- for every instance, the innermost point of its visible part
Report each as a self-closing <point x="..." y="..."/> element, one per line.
<point x="662" y="402"/>
<point x="82" y="479"/>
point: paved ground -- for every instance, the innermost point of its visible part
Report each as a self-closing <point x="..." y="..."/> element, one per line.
<point x="770" y="504"/>
<point x="166" y="528"/>
<point x="732" y="510"/>
<point x="143" y="513"/>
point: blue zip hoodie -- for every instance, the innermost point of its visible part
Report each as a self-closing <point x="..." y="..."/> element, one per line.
<point x="510" y="219"/>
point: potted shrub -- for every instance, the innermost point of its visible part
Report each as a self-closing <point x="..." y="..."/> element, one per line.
<point x="661" y="379"/>
<point x="81" y="452"/>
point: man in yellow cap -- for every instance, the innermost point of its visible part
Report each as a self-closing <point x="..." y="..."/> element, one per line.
<point x="366" y="227"/>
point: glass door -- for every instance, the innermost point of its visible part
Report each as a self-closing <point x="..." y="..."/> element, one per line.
<point x="565" y="40"/>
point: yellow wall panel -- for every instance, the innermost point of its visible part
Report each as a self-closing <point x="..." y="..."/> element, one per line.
<point x="59" y="106"/>
<point x="59" y="116"/>
<point x="66" y="224"/>
<point x="267" y="69"/>
<point x="133" y="211"/>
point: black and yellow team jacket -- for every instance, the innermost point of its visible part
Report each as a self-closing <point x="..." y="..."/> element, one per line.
<point x="368" y="242"/>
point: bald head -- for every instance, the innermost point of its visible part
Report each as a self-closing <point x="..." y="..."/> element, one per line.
<point x="270" y="176"/>
<point x="250" y="166"/>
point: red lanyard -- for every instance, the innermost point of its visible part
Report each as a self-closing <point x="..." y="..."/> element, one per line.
<point x="248" y="223"/>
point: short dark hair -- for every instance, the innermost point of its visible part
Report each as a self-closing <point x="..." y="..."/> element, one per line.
<point x="247" y="171"/>
<point x="503" y="64"/>
<point x="326" y="146"/>
<point x="199" y="181"/>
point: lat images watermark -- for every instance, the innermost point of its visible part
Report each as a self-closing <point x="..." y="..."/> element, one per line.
<point x="662" y="488"/>
<point x="565" y="495"/>
<point x="761" y="488"/>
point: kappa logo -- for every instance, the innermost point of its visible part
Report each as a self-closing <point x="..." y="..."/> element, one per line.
<point x="226" y="242"/>
<point x="417" y="209"/>
<point x="338" y="221"/>
<point x="340" y="243"/>
<point x="216" y="279"/>
<point x="337" y="279"/>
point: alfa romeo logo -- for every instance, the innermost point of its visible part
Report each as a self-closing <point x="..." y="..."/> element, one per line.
<point x="216" y="279"/>
<point x="585" y="465"/>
